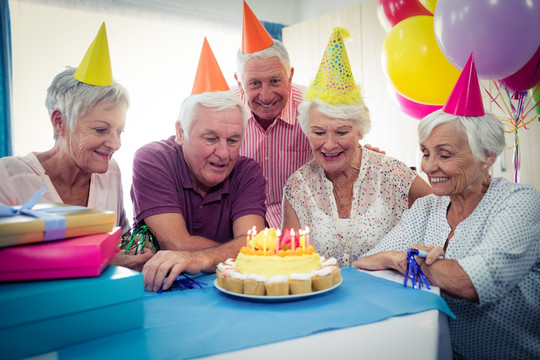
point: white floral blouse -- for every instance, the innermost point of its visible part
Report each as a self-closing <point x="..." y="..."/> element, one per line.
<point x="380" y="195"/>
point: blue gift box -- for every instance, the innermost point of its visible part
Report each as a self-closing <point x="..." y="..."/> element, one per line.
<point x="43" y="316"/>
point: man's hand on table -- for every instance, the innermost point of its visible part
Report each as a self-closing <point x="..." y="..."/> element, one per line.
<point x="169" y="264"/>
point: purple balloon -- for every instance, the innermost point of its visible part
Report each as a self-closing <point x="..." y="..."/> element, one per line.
<point x="503" y="35"/>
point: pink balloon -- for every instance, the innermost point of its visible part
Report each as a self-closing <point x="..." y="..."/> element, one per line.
<point x="525" y="78"/>
<point x="503" y="35"/>
<point x="396" y="10"/>
<point x="414" y="109"/>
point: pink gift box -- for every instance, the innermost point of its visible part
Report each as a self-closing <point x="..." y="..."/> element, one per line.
<point x="83" y="256"/>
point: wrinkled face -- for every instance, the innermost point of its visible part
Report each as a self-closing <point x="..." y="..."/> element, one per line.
<point x="213" y="145"/>
<point x="334" y="142"/>
<point x="266" y="87"/>
<point x="449" y="163"/>
<point x="96" y="137"/>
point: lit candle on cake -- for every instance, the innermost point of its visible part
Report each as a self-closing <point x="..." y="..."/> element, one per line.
<point x="264" y="240"/>
<point x="253" y="232"/>
<point x="248" y="238"/>
<point x="307" y="236"/>
<point x="302" y="239"/>
<point x="278" y="235"/>
<point x="292" y="240"/>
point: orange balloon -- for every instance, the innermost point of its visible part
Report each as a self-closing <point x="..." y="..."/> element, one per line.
<point x="414" y="63"/>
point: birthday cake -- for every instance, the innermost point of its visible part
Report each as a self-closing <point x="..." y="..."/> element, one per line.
<point x="273" y="264"/>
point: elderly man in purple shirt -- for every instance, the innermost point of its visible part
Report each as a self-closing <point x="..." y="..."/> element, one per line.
<point x="194" y="191"/>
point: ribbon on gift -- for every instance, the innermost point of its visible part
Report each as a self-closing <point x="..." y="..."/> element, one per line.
<point x="55" y="225"/>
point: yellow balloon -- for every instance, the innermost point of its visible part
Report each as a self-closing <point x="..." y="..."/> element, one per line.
<point x="429" y="5"/>
<point x="415" y="64"/>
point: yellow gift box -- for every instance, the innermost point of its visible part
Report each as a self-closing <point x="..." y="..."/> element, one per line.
<point x="79" y="221"/>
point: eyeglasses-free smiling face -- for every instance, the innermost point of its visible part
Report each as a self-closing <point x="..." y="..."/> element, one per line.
<point x="449" y="163"/>
<point x="96" y="137"/>
<point x="212" y="148"/>
<point x="266" y="87"/>
<point x="334" y="142"/>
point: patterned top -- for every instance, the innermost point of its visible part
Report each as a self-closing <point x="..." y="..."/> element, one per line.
<point x="380" y="195"/>
<point x="498" y="246"/>
<point x="280" y="150"/>
<point x="21" y="177"/>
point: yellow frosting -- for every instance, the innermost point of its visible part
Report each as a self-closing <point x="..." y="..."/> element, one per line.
<point x="276" y="265"/>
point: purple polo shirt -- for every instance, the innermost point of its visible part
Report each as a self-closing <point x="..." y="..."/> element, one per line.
<point x="162" y="184"/>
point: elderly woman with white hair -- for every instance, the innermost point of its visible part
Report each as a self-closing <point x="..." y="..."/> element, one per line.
<point x="349" y="197"/>
<point x="88" y="121"/>
<point x="481" y="235"/>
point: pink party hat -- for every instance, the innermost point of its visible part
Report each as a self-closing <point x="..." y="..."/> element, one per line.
<point x="466" y="99"/>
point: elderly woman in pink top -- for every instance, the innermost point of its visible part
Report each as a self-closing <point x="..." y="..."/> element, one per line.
<point x="78" y="170"/>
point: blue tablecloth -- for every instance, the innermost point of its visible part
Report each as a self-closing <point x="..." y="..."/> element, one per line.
<point x="202" y="322"/>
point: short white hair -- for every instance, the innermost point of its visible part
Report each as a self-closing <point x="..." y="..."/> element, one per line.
<point x="277" y="49"/>
<point x="485" y="134"/>
<point x="74" y="99"/>
<point x="218" y="100"/>
<point x="358" y="113"/>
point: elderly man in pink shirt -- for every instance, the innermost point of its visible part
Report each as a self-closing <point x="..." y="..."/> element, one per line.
<point x="273" y="137"/>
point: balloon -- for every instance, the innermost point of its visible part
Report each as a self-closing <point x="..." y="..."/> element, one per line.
<point x="536" y="98"/>
<point x="383" y="20"/>
<point x="429" y="5"/>
<point x="398" y="10"/>
<point x="414" y="63"/>
<point x="503" y="35"/>
<point x="526" y="77"/>
<point x="414" y="109"/>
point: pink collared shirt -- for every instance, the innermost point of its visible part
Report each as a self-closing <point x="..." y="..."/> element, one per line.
<point x="280" y="150"/>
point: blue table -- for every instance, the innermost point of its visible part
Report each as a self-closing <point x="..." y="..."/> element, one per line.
<point x="365" y="317"/>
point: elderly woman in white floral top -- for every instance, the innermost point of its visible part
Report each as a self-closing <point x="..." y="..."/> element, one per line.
<point x="349" y="197"/>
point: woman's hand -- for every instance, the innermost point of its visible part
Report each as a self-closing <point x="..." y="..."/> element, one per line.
<point x="382" y="261"/>
<point x="374" y="148"/>
<point x="434" y="253"/>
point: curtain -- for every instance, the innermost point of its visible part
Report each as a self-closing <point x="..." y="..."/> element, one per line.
<point x="275" y="30"/>
<point x="5" y="81"/>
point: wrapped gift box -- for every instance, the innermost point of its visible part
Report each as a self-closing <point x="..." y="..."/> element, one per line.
<point x="76" y="257"/>
<point x="24" y="229"/>
<point x="43" y="316"/>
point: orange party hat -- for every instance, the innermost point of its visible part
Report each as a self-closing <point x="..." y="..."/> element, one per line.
<point x="334" y="83"/>
<point x="254" y="36"/>
<point x="95" y="67"/>
<point x="209" y="77"/>
<point x="466" y="98"/>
